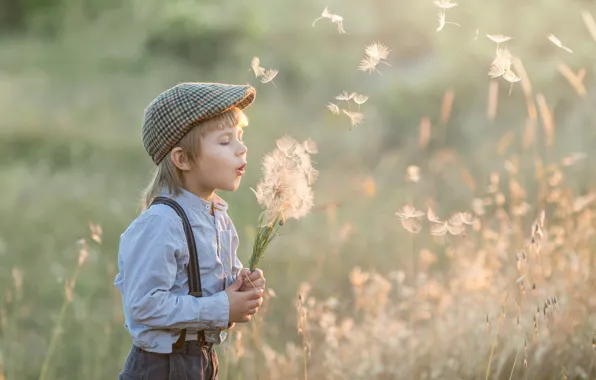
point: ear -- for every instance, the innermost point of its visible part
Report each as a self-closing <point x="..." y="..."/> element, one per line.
<point x="179" y="159"/>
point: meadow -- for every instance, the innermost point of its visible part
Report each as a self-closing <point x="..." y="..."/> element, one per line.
<point x="454" y="230"/>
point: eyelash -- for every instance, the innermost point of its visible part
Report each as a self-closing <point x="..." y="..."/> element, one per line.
<point x="228" y="142"/>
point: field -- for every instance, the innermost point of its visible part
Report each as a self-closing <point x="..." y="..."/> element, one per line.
<point x="454" y="229"/>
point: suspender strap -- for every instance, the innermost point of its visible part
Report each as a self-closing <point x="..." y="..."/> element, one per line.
<point x="194" y="276"/>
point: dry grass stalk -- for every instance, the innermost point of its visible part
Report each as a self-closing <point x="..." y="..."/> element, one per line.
<point x="446" y="106"/>
<point x="548" y="122"/>
<point x="575" y="80"/>
<point x="493" y="100"/>
<point x="526" y="87"/>
<point x="68" y="292"/>
<point x="529" y="136"/>
<point x="590" y="23"/>
<point x="424" y="132"/>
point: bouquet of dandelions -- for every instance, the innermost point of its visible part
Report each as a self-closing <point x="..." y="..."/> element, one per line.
<point x="284" y="192"/>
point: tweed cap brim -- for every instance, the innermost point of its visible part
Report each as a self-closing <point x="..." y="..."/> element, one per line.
<point x="173" y="112"/>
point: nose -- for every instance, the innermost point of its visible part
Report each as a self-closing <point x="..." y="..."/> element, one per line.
<point x="242" y="150"/>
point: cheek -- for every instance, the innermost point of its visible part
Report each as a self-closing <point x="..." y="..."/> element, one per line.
<point x="214" y="165"/>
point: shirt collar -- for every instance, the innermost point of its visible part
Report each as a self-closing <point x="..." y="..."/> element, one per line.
<point x="190" y="201"/>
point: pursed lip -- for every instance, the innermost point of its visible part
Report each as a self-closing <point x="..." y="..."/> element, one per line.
<point x="240" y="170"/>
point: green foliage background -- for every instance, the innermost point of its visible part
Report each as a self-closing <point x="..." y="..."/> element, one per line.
<point x="75" y="76"/>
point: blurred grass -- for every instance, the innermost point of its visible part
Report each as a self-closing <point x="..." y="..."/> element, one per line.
<point x="73" y="86"/>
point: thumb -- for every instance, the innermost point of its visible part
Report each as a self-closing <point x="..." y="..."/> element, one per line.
<point x="237" y="284"/>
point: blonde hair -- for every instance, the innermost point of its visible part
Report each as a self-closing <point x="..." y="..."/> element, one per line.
<point x="167" y="174"/>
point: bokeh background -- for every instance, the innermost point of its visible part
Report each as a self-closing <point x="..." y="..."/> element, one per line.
<point x="355" y="295"/>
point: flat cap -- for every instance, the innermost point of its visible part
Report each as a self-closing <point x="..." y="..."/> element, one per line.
<point x="171" y="114"/>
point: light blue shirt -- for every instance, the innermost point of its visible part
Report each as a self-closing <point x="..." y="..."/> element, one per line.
<point x="153" y="280"/>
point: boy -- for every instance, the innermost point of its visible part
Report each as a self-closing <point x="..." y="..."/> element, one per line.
<point x="193" y="133"/>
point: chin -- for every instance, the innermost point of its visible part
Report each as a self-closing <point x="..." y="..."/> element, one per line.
<point x="230" y="186"/>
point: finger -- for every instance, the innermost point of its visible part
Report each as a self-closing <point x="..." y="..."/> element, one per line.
<point x="260" y="283"/>
<point x="246" y="319"/>
<point x="237" y="284"/>
<point x="253" y="294"/>
<point x="253" y="311"/>
<point x="243" y="273"/>
<point x="255" y="303"/>
<point x="257" y="273"/>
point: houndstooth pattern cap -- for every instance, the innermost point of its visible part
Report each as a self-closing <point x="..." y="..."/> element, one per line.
<point x="170" y="115"/>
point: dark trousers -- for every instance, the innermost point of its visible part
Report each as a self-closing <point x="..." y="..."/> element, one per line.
<point x="198" y="363"/>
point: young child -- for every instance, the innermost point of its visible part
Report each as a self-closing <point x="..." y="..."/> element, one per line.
<point x="182" y="285"/>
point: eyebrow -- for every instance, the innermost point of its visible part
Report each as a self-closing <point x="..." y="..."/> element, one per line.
<point x="229" y="133"/>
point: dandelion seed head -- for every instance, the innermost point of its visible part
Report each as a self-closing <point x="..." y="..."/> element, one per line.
<point x="285" y="189"/>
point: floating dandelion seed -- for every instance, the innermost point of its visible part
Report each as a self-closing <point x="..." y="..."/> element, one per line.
<point x="445" y="4"/>
<point x="501" y="64"/>
<point x="408" y="212"/>
<point x="368" y="64"/>
<point x="411" y="225"/>
<point x="557" y="42"/>
<point x="461" y="218"/>
<point x="438" y="229"/>
<point x="510" y="76"/>
<point x="432" y="217"/>
<point x="345" y="96"/>
<point x="336" y="19"/>
<point x="266" y="75"/>
<point x="498" y="38"/>
<point x="360" y="99"/>
<point x="269" y="75"/>
<point x="455" y="229"/>
<point x="333" y="108"/>
<point x="356" y="118"/>
<point x="375" y="53"/>
<point x="443" y="22"/>
<point x="258" y="70"/>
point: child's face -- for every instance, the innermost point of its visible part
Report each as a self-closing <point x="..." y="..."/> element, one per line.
<point x="221" y="162"/>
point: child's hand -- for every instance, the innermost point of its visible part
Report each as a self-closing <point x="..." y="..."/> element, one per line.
<point x="243" y="304"/>
<point x="254" y="280"/>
